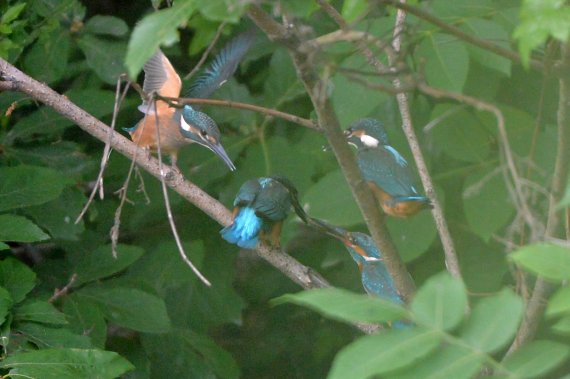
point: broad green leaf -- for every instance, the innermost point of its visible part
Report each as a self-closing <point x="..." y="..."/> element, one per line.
<point x="562" y="327"/>
<point x="86" y="318"/>
<point x="5" y="304"/>
<point x="491" y="32"/>
<point x="459" y="133"/>
<point x="282" y="83"/>
<point x="536" y="359"/>
<point x="17" y="278"/>
<point x="332" y="189"/>
<point x="440" y="303"/>
<point x="387" y="351"/>
<point x="343" y="305"/>
<point x="56" y="156"/>
<point x="45" y="336"/>
<point x="106" y="25"/>
<point x="153" y="30"/>
<point x="39" y="311"/>
<point x="198" y="355"/>
<point x="487" y="202"/>
<point x="413" y="236"/>
<point x="12" y="13"/>
<point x="130" y="308"/>
<point x="493" y="322"/>
<point x="353" y="100"/>
<point x="222" y="10"/>
<point x="22" y="186"/>
<point x="3" y="246"/>
<point x="58" y="216"/>
<point x="101" y="263"/>
<point x="19" y="229"/>
<point x="540" y="20"/>
<point x="446" y="61"/>
<point x="462" y="10"/>
<point x="67" y="364"/>
<point x="351" y="9"/>
<point x="451" y="361"/>
<point x="47" y="59"/>
<point x="300" y="8"/>
<point x="559" y="303"/>
<point x="547" y="260"/>
<point x="105" y="57"/>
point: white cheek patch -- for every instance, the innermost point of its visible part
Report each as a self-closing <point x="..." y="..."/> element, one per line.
<point x="184" y="124"/>
<point x="369" y="141"/>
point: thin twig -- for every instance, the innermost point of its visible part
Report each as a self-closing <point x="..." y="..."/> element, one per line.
<point x="57" y="293"/>
<point x="169" y="209"/>
<point x="207" y="52"/>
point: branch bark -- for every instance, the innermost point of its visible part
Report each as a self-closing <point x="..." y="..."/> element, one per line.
<point x="303" y="54"/>
<point x="15" y="80"/>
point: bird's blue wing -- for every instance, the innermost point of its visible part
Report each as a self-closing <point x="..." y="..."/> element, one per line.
<point x="247" y="193"/>
<point x="273" y="202"/>
<point x="390" y="172"/>
<point x="377" y="281"/>
<point x="223" y="66"/>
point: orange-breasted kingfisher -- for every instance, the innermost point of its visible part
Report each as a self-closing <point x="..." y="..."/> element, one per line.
<point x="385" y="170"/>
<point x="179" y="127"/>
<point x="375" y="277"/>
<point x="260" y="207"/>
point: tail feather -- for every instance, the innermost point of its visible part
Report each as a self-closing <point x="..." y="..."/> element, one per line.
<point x="244" y="231"/>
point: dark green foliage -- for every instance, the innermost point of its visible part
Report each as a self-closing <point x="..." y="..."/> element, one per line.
<point x="70" y="309"/>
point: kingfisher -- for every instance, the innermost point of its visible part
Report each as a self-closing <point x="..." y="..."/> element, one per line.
<point x="375" y="277"/>
<point x="260" y="207"/>
<point x="385" y="170"/>
<point x="179" y="127"/>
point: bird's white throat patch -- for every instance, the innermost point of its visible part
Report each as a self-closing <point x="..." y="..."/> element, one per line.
<point x="369" y="141"/>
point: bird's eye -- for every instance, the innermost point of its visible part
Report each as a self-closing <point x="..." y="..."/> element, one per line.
<point x="203" y="133"/>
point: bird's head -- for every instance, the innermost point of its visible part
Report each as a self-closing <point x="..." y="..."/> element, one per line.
<point x="366" y="133"/>
<point x="202" y="129"/>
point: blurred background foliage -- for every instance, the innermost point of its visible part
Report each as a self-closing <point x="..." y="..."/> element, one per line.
<point x="147" y="306"/>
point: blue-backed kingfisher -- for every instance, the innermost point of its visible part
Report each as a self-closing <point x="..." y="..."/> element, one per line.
<point x="260" y="207"/>
<point x="375" y="277"/>
<point x="179" y="127"/>
<point x="385" y="170"/>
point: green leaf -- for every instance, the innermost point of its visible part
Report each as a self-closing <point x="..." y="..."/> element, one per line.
<point x="450" y="361"/>
<point x="12" y="13"/>
<point x="19" y="229"/>
<point x="47" y="59"/>
<point x="387" y="351"/>
<point x="5" y="304"/>
<point x="104" y="57"/>
<point x="86" y="318"/>
<point x="58" y="216"/>
<point x="3" y="246"/>
<point x="197" y="355"/>
<point x="485" y="194"/>
<point x="559" y="303"/>
<point x="351" y="9"/>
<point x="332" y="189"/>
<point x="459" y="133"/>
<point x="493" y="321"/>
<point x="547" y="260"/>
<point x="39" y="311"/>
<point x="156" y="28"/>
<point x="446" y="61"/>
<point x="492" y="32"/>
<point x="67" y="364"/>
<point x="346" y="306"/>
<point x="130" y="308"/>
<point x="101" y="263"/>
<point x="282" y="83"/>
<point x="536" y="359"/>
<point x="17" y="278"/>
<point x="562" y="327"/>
<point x="106" y="25"/>
<point x="49" y="337"/>
<point x="440" y="303"/>
<point x="413" y="236"/>
<point x="23" y="186"/>
<point x="222" y="10"/>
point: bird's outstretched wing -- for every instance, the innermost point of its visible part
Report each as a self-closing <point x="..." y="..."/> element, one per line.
<point x="161" y="78"/>
<point x="223" y="66"/>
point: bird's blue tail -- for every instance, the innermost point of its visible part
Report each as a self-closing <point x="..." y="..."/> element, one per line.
<point x="245" y="229"/>
<point x="426" y="202"/>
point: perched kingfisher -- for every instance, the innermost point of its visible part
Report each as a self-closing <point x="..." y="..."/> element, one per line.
<point x="375" y="277"/>
<point x="385" y="170"/>
<point x="179" y="127"/>
<point x="260" y="207"/>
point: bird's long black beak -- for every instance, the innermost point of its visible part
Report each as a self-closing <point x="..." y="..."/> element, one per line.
<point x="219" y="150"/>
<point x="331" y="230"/>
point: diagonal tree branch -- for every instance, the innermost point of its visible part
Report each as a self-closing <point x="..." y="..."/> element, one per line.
<point x="302" y="54"/>
<point x="15" y="80"/>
